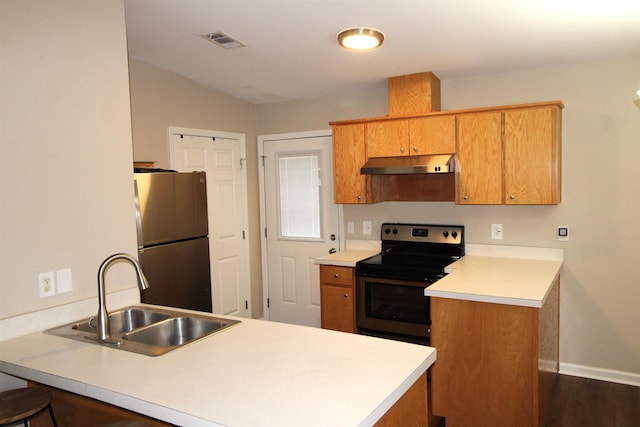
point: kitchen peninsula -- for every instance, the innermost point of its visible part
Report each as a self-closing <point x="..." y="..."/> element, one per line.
<point x="254" y="373"/>
<point x="495" y="324"/>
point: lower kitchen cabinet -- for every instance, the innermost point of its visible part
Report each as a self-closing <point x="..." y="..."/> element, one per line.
<point x="337" y="298"/>
<point x="497" y="363"/>
<point x="73" y="409"/>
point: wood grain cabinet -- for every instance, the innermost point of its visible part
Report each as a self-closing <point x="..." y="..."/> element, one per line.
<point x="411" y="137"/>
<point x="349" y="155"/>
<point x="497" y="363"/>
<point x="510" y="156"/>
<point x="337" y="298"/>
<point x="388" y="138"/>
<point x="532" y="155"/>
<point x="432" y="135"/>
<point x="479" y="154"/>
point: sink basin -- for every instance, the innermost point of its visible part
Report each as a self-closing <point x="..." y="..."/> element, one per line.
<point x="149" y="331"/>
<point x="124" y="321"/>
<point x="175" y="331"/>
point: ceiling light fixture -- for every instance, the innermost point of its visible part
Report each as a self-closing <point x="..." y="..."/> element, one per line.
<point x="361" y="38"/>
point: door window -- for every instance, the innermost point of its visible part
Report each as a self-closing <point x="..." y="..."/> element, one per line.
<point x="299" y="196"/>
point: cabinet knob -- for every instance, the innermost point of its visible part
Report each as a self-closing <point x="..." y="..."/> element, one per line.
<point x="346" y="295"/>
<point x="465" y="197"/>
<point x="415" y="149"/>
<point x="332" y="250"/>
<point x="336" y="275"/>
<point x="332" y="237"/>
<point x="359" y="197"/>
<point x="402" y="149"/>
<point x="512" y="196"/>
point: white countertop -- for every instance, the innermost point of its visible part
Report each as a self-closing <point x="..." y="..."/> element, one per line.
<point x="502" y="280"/>
<point x="255" y="373"/>
<point x="347" y="258"/>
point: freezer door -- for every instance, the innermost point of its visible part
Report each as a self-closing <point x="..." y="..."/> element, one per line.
<point x="178" y="275"/>
<point x="170" y="207"/>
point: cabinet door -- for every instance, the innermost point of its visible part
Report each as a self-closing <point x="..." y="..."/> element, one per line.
<point x="337" y="308"/>
<point x="532" y="164"/>
<point x="432" y="135"/>
<point x="389" y="138"/>
<point x="349" y="186"/>
<point x="479" y="155"/>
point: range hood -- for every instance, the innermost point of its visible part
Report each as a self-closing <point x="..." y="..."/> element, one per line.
<point x="408" y="165"/>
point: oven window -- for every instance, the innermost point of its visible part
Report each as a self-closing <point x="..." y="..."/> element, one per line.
<point x="396" y="302"/>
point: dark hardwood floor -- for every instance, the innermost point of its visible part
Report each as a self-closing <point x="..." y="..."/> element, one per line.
<point x="583" y="402"/>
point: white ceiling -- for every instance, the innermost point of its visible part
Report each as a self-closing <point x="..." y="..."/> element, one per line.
<point x="292" y="52"/>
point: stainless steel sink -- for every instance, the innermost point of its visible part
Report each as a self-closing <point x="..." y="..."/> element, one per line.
<point x="126" y="320"/>
<point x="149" y="331"/>
<point x="176" y="331"/>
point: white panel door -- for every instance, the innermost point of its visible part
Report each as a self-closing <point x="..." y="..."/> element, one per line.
<point x="301" y="224"/>
<point x="221" y="159"/>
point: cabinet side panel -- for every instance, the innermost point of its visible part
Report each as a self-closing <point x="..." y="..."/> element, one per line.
<point x="484" y="373"/>
<point x="548" y="350"/>
<point x="411" y="409"/>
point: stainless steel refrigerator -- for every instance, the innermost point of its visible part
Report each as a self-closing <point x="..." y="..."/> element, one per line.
<point x="173" y="242"/>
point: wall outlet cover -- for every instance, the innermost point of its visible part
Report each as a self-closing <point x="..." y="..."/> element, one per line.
<point x="46" y="284"/>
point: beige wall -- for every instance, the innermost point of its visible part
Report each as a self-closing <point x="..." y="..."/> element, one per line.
<point x="601" y="159"/>
<point x="160" y="99"/>
<point x="66" y="192"/>
<point x="65" y="166"/>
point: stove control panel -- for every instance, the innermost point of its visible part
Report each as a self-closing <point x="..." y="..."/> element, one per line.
<point x="452" y="234"/>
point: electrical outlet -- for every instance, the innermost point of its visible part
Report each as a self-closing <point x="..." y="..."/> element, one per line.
<point x="46" y="284"/>
<point x="366" y="227"/>
<point x="496" y="231"/>
<point x="350" y="227"/>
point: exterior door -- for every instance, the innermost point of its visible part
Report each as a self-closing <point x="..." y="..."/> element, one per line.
<point x="221" y="156"/>
<point x="301" y="223"/>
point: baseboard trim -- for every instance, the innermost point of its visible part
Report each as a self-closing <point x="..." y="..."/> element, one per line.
<point x="611" y="375"/>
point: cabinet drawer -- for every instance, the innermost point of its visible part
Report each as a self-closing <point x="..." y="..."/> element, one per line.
<point x="336" y="275"/>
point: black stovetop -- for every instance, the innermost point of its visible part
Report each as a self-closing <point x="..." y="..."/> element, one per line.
<point x="414" y="252"/>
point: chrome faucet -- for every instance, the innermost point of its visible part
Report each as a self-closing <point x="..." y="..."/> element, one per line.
<point x="104" y="331"/>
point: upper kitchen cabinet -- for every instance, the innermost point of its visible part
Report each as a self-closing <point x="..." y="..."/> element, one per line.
<point x="432" y="135"/>
<point x="413" y="137"/>
<point x="349" y="155"/>
<point x="532" y="155"/>
<point x="389" y="138"/>
<point x="479" y="154"/>
<point x="510" y="155"/>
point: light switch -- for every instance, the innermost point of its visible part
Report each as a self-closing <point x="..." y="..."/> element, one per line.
<point x="63" y="281"/>
<point x="366" y="227"/>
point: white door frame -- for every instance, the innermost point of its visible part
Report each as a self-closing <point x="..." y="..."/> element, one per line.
<point x="263" y="216"/>
<point x="173" y="130"/>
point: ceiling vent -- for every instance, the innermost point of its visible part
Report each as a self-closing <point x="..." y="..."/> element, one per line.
<point x="223" y="40"/>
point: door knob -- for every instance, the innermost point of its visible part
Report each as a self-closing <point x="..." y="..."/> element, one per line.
<point x="332" y="237"/>
<point x="332" y="250"/>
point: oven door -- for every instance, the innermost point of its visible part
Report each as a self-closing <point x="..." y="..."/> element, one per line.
<point x="392" y="307"/>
